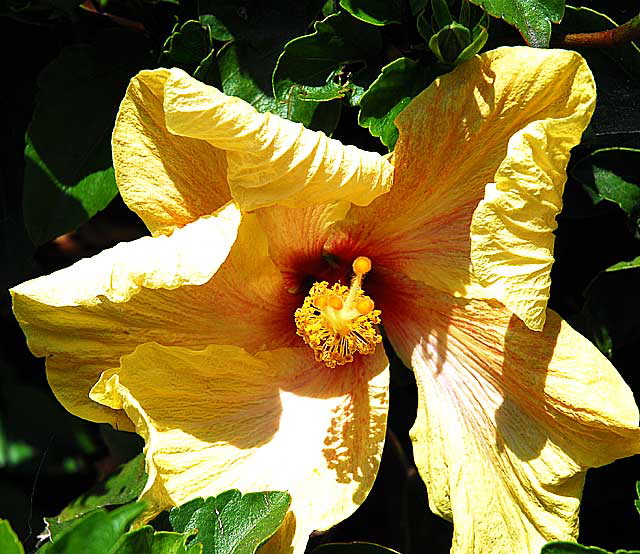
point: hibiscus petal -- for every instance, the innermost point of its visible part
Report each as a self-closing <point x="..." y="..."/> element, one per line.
<point x="297" y="238"/>
<point x="505" y="122"/>
<point x="509" y="419"/>
<point x="160" y="289"/>
<point x="270" y="159"/>
<point x="512" y="227"/>
<point x="221" y="418"/>
<point x="166" y="179"/>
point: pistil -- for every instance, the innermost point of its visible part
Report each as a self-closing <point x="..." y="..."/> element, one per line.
<point x="339" y="321"/>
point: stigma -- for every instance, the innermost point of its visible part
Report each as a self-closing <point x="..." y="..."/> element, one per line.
<point x="339" y="321"/>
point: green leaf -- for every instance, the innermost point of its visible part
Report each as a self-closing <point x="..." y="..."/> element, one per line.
<point x="570" y="548"/>
<point x="449" y="42"/>
<point x="147" y="540"/>
<point x="633" y="264"/>
<point x="398" y="83"/>
<point x="68" y="175"/>
<point x="186" y="47"/>
<point x="611" y="174"/>
<point x="217" y="29"/>
<point x="441" y="13"/>
<point x="637" y="502"/>
<point x="532" y="18"/>
<point x="245" y="72"/>
<point x="352" y="548"/>
<point x="475" y="46"/>
<point x="246" y="64"/>
<point x="423" y="25"/>
<point x="94" y="533"/>
<point x="309" y="65"/>
<point x="256" y="21"/>
<point x="122" y="487"/>
<point x="612" y="302"/>
<point x="22" y="444"/>
<point x="232" y="522"/>
<point x="9" y="543"/>
<point x="375" y="12"/>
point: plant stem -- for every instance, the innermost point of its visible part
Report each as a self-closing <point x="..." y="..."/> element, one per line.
<point x="613" y="37"/>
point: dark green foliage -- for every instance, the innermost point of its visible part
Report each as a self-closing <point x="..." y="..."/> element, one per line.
<point x="95" y="533"/>
<point x="573" y="548"/>
<point x="312" y="67"/>
<point x="187" y="47"/>
<point x="612" y="301"/>
<point x="147" y="540"/>
<point x="232" y="523"/>
<point x="532" y="18"/>
<point x="121" y="487"/>
<point x="246" y="64"/>
<point x="612" y="174"/>
<point x="375" y="12"/>
<point x="68" y="175"/>
<point x="398" y="83"/>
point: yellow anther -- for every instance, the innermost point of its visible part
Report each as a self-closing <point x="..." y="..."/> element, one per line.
<point x="364" y="306"/>
<point x="335" y="302"/>
<point x="338" y="321"/>
<point x="361" y="265"/>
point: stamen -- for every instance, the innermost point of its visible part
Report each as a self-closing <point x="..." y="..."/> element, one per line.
<point x="336" y="322"/>
<point x="335" y="302"/>
<point x="364" y="306"/>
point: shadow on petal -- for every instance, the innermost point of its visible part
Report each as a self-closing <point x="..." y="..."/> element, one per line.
<point x="354" y="399"/>
<point x="524" y="373"/>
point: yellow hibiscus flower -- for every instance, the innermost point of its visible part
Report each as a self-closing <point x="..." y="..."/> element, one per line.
<point x="241" y="340"/>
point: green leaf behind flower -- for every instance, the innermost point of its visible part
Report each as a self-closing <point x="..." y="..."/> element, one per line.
<point x="612" y="174"/>
<point x="120" y="488"/>
<point x="9" y="543"/>
<point x="252" y="86"/>
<point x="532" y="18"/>
<point x="612" y="302"/>
<point x="95" y="533"/>
<point x="246" y="64"/>
<point x="68" y="175"/>
<point x="186" y="47"/>
<point x="232" y="522"/>
<point x="147" y="540"/>
<point x="375" y="12"/>
<point x="571" y="548"/>
<point x="311" y="65"/>
<point x="398" y="83"/>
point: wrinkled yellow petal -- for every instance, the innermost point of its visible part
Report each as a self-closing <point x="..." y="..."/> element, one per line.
<point x="297" y="238"/>
<point x="512" y="227"/>
<point x="85" y="317"/>
<point x="272" y="160"/>
<point x="221" y="418"/>
<point x="166" y="179"/>
<point x="469" y="129"/>
<point x="509" y="419"/>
